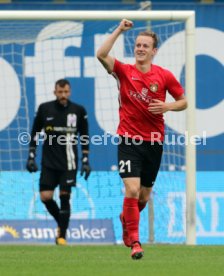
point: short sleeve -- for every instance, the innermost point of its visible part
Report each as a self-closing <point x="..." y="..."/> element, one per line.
<point x="173" y="85"/>
<point x="119" y="68"/>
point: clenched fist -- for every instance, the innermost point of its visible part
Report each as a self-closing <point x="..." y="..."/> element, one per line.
<point x="125" y="24"/>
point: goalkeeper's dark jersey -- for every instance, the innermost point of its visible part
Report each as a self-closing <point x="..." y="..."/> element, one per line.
<point x="60" y="126"/>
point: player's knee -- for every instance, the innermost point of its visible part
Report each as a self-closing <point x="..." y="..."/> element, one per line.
<point x="145" y="193"/>
<point x="132" y="192"/>
<point x="65" y="201"/>
<point x="143" y="198"/>
<point x="45" y="198"/>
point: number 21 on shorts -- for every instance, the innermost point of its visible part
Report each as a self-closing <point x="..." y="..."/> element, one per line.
<point x="125" y="166"/>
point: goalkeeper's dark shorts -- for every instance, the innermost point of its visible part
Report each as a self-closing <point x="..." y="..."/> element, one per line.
<point x="50" y="179"/>
<point x="139" y="160"/>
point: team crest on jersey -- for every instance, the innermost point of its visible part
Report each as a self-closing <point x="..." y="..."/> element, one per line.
<point x="153" y="87"/>
<point x="71" y="120"/>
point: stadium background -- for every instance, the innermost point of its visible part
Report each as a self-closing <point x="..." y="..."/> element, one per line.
<point x="209" y="96"/>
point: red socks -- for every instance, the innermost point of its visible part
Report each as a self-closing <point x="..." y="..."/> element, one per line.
<point x="131" y="217"/>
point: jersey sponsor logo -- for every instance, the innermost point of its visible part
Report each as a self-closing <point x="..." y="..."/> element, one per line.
<point x="144" y="91"/>
<point x="61" y="129"/>
<point x="153" y="87"/>
<point x="65" y="129"/>
<point x="49" y="128"/>
<point x="141" y="96"/>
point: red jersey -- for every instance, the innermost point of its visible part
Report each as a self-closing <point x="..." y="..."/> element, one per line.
<point x="137" y="90"/>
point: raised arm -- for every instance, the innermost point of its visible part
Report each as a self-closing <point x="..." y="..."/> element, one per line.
<point x="103" y="52"/>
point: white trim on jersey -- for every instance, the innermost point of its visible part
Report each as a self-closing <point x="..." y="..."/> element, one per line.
<point x="70" y="153"/>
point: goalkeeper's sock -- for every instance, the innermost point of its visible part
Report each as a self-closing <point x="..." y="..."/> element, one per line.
<point x="64" y="214"/>
<point x="141" y="205"/>
<point x="131" y="216"/>
<point x="52" y="208"/>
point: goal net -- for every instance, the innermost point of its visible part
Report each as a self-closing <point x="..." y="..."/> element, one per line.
<point x="36" y="53"/>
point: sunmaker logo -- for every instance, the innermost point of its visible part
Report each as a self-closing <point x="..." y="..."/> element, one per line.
<point x="45" y="231"/>
<point x="9" y="231"/>
<point x="76" y="233"/>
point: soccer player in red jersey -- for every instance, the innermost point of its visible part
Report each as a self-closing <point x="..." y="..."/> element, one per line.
<point x="143" y="88"/>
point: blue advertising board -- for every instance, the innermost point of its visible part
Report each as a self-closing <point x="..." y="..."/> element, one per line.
<point x="45" y="231"/>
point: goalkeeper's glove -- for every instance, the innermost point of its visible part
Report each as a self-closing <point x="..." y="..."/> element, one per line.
<point x="85" y="169"/>
<point x="31" y="165"/>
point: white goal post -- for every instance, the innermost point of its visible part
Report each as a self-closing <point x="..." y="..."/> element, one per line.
<point x="189" y="18"/>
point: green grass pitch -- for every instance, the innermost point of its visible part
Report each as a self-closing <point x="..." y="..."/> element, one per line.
<point x="109" y="260"/>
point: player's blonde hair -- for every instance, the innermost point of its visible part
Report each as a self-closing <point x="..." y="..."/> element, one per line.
<point x="150" y="34"/>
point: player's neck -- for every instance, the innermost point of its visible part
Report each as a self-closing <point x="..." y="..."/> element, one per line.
<point x="143" y="67"/>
